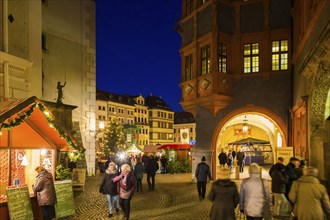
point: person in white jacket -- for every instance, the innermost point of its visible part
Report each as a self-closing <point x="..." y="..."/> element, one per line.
<point x="254" y="194"/>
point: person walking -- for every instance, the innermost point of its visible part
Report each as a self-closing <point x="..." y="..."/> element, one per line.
<point x="309" y="196"/>
<point x="45" y="190"/>
<point x="138" y="173"/>
<point x="202" y="172"/>
<point x="222" y="158"/>
<point x="241" y="160"/>
<point x="230" y="160"/>
<point x="109" y="188"/>
<point x="255" y="196"/>
<point x="282" y="207"/>
<point x="151" y="168"/>
<point x="224" y="197"/>
<point x="280" y="162"/>
<point x="291" y="171"/>
<point x="126" y="188"/>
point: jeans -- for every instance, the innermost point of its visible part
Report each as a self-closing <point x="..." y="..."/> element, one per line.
<point x="201" y="188"/>
<point x="125" y="205"/>
<point x="112" y="202"/>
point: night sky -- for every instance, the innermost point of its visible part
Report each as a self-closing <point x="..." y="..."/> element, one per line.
<point x="137" y="48"/>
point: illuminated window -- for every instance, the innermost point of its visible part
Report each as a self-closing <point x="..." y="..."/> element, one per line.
<point x="205" y="60"/>
<point x="188" y="68"/>
<point x="222" y="58"/>
<point x="280" y="58"/>
<point x="251" y="58"/>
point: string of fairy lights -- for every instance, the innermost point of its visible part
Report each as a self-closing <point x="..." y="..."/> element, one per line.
<point x="13" y="122"/>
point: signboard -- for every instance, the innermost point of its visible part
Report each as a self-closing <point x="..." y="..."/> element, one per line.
<point x="19" y="204"/>
<point x="285" y="152"/>
<point x="65" y="201"/>
<point x="79" y="178"/>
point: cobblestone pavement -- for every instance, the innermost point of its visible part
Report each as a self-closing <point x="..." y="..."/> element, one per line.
<point x="175" y="197"/>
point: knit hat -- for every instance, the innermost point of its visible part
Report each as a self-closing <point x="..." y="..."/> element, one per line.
<point x="203" y="158"/>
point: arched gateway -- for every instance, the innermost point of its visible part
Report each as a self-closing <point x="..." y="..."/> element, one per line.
<point x="256" y="130"/>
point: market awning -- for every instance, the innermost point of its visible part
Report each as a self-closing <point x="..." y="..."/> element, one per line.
<point x="27" y="123"/>
<point x="249" y="141"/>
<point x="176" y="146"/>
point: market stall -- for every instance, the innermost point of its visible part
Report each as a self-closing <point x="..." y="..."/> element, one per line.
<point x="29" y="136"/>
<point x="256" y="150"/>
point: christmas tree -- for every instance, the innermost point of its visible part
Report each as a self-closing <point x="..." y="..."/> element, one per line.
<point x="114" y="138"/>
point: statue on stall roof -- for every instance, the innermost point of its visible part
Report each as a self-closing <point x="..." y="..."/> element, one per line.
<point x="60" y="92"/>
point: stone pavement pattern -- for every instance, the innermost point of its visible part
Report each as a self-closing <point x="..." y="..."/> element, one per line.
<point x="175" y="197"/>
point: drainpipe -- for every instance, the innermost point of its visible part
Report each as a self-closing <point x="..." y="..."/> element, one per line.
<point x="5" y="47"/>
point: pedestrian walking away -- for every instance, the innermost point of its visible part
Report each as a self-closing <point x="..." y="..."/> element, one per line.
<point x="255" y="196"/>
<point x="241" y="160"/>
<point x="109" y="188"/>
<point x="310" y="197"/>
<point x="151" y="168"/>
<point x="202" y="172"/>
<point x="224" y="197"/>
<point x="45" y="190"/>
<point x="282" y="207"/>
<point x="126" y="188"/>
<point x="138" y="173"/>
<point x="292" y="172"/>
<point x="222" y="158"/>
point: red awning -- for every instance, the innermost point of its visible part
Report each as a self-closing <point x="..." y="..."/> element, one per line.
<point x="176" y="146"/>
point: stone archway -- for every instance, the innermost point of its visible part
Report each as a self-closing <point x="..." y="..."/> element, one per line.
<point x="254" y="110"/>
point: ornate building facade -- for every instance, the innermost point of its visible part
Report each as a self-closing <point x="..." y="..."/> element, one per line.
<point x="261" y="63"/>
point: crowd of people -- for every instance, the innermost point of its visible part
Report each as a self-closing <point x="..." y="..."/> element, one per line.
<point x="297" y="191"/>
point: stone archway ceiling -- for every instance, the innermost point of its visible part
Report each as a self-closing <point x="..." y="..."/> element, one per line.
<point x="255" y="120"/>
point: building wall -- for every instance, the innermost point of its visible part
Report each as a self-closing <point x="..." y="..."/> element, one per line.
<point x="69" y="55"/>
<point x="161" y="126"/>
<point x="191" y="128"/>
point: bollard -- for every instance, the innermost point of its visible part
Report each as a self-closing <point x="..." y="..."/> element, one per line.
<point x="237" y="172"/>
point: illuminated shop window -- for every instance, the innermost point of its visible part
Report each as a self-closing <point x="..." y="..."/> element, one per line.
<point x="251" y="58"/>
<point x="280" y="57"/>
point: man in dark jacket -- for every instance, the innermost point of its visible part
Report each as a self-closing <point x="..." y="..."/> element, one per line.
<point x="282" y="207"/>
<point x="151" y="168"/>
<point x="291" y="171"/>
<point x="222" y="158"/>
<point x="201" y="173"/>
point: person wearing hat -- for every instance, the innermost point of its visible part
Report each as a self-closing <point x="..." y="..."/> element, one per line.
<point x="201" y="173"/>
<point x="291" y="171"/>
<point x="224" y="197"/>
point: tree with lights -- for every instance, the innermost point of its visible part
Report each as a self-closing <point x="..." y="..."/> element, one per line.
<point x="114" y="138"/>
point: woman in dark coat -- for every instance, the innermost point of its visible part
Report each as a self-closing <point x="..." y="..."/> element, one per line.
<point x="138" y="173"/>
<point x="109" y="188"/>
<point x="224" y="197"/>
<point x="45" y="191"/>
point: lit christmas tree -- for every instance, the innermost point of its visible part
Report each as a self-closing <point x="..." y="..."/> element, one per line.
<point x="114" y="138"/>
